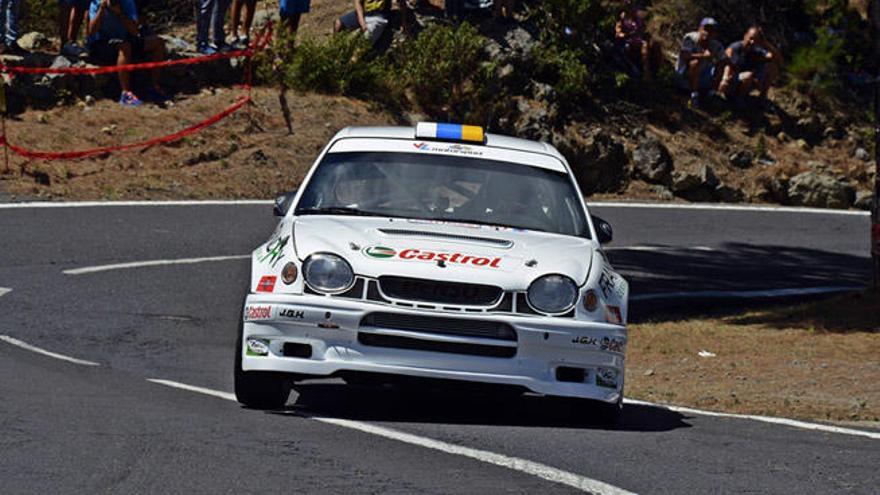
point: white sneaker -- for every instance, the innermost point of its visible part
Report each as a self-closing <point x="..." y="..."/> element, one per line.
<point x="71" y="49"/>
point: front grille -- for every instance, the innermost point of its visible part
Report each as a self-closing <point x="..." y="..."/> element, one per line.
<point x="434" y="291"/>
<point x="395" y="342"/>
<point x="440" y="325"/>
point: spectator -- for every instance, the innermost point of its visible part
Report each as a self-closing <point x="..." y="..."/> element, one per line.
<point x="291" y="11"/>
<point x="212" y="15"/>
<point x="633" y="39"/>
<point x="504" y="9"/>
<point x="700" y="61"/>
<point x="9" y="28"/>
<point x="115" y="38"/>
<point x="249" y="6"/>
<point x="70" y="18"/>
<point x="754" y="65"/>
<point x="371" y="17"/>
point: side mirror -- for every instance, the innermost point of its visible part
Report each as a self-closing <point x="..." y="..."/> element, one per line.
<point x="604" y="232"/>
<point x="283" y="203"/>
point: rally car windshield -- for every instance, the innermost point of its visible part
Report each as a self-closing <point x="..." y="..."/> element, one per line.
<point x="449" y="188"/>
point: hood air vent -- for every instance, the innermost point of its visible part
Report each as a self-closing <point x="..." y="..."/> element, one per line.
<point x="435" y="235"/>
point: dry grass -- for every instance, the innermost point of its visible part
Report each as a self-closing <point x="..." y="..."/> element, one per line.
<point x="816" y="361"/>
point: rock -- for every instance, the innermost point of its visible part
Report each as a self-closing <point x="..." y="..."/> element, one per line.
<point x="652" y="161"/>
<point x="728" y="194"/>
<point x="742" y="159"/>
<point x="820" y="190"/>
<point x="783" y="137"/>
<point x="864" y="200"/>
<point x="835" y="133"/>
<point x="810" y="128"/>
<point x="543" y="92"/>
<point x="533" y="122"/>
<point x="177" y="46"/>
<point x="862" y="154"/>
<point x="802" y="144"/>
<point x="42" y="178"/>
<point x="598" y="160"/>
<point x="33" y="41"/>
<point x="662" y="193"/>
<point x="43" y="118"/>
<point x="648" y="372"/>
<point x="520" y="41"/>
<point x="697" y="184"/>
<point x="109" y="130"/>
<point x="89" y="100"/>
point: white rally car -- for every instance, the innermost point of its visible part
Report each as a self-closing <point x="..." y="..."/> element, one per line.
<point x="435" y="252"/>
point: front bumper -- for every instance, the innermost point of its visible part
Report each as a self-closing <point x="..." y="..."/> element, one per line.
<point x="331" y="327"/>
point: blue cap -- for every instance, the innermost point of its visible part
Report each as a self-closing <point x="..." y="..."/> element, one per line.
<point x="708" y="21"/>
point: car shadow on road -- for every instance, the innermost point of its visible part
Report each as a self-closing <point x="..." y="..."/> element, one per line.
<point x="732" y="267"/>
<point x="407" y="405"/>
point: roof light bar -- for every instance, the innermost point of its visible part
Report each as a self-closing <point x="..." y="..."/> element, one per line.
<point x="449" y="132"/>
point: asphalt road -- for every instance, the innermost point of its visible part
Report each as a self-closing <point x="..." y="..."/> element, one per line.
<point x="68" y="428"/>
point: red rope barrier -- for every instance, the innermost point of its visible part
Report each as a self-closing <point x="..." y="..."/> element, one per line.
<point x="260" y="42"/>
<point x="68" y="155"/>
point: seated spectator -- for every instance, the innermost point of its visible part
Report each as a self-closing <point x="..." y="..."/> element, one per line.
<point x="115" y="38"/>
<point x="9" y="28"/>
<point x="249" y="6"/>
<point x="212" y="16"/>
<point x="754" y="65"/>
<point x="632" y="37"/>
<point x="291" y="11"/>
<point x="700" y="61"/>
<point x="371" y="17"/>
<point x="70" y="18"/>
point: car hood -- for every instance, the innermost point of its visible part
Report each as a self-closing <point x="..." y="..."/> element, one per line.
<point x="455" y="252"/>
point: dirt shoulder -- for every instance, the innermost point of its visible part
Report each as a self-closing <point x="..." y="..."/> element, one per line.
<point x="818" y="361"/>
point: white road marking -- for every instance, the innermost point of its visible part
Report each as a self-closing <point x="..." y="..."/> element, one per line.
<point x="726" y="207"/>
<point x="766" y="419"/>
<point x="26" y="346"/>
<point x="140" y="264"/>
<point x="660" y="248"/>
<point x="4" y="291"/>
<point x="87" y="204"/>
<point x="744" y="294"/>
<point x="610" y="204"/>
<point x="515" y="463"/>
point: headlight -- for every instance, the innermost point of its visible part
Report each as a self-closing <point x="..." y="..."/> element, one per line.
<point x="328" y="273"/>
<point x="553" y="294"/>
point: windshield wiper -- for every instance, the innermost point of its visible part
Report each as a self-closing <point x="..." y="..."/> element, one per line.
<point x="337" y="210"/>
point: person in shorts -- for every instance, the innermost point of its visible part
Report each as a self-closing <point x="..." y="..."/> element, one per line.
<point x="240" y="41"/>
<point x="701" y="60"/>
<point x="370" y="16"/>
<point x="70" y="18"/>
<point x="754" y="65"/>
<point x="115" y="38"/>
<point x="291" y="12"/>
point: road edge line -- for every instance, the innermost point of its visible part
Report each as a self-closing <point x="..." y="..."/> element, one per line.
<point x="142" y="264"/>
<point x="28" y="347"/>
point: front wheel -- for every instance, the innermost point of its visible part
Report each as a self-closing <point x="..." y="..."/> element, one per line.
<point x="258" y="389"/>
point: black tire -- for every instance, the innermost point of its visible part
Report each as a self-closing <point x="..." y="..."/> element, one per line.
<point x="258" y="389"/>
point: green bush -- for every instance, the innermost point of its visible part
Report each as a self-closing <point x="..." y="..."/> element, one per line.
<point x="446" y="71"/>
<point x="343" y="64"/>
<point x="563" y="69"/>
<point x="814" y="68"/>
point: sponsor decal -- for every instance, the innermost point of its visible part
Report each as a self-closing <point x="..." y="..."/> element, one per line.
<point x="327" y="323"/>
<point x="257" y="347"/>
<point x="292" y="313"/>
<point x="585" y="340"/>
<point x="607" y="282"/>
<point x="267" y="284"/>
<point x="606" y="377"/>
<point x="454" y="149"/>
<point x="382" y="252"/>
<point x="613" y="344"/>
<point x="613" y="315"/>
<point x="257" y="313"/>
<point x="274" y="251"/>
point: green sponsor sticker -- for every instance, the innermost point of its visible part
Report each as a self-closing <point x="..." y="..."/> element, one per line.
<point x="380" y="252"/>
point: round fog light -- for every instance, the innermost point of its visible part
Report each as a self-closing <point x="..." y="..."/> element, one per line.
<point x="257" y="347"/>
<point x="591" y="301"/>
<point x="289" y="273"/>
